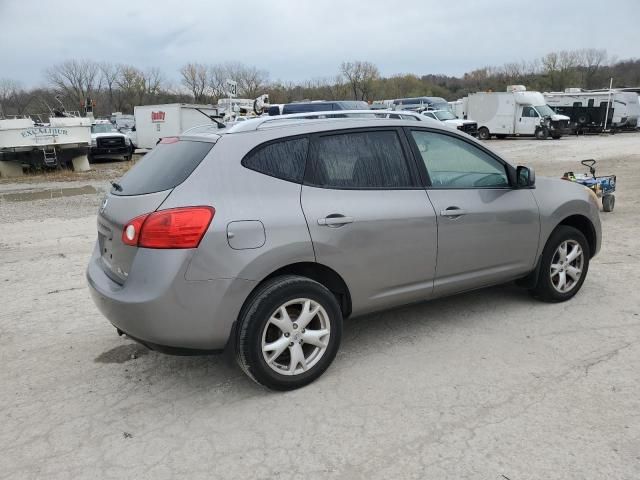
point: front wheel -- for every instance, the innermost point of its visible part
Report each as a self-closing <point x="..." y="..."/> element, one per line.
<point x="542" y="133"/>
<point x="563" y="266"/>
<point x="289" y="332"/>
<point x="484" y="134"/>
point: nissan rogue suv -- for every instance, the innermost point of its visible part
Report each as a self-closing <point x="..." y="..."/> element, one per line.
<point x="264" y="236"/>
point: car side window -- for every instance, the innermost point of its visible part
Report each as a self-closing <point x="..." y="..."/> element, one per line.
<point x="359" y="160"/>
<point x="529" y="112"/>
<point x="454" y="163"/>
<point x="284" y="159"/>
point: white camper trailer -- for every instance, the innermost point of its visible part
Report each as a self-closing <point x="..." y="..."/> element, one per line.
<point x="588" y="108"/>
<point x="515" y="112"/>
<point x="154" y="122"/>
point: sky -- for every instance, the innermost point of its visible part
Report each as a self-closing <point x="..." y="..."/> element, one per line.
<point x="295" y="40"/>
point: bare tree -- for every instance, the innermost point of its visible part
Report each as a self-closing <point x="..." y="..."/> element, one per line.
<point x="153" y="83"/>
<point x="14" y="99"/>
<point x="76" y="80"/>
<point x="109" y="73"/>
<point x="8" y="89"/>
<point x="251" y="81"/>
<point x="131" y="84"/>
<point x="195" y="77"/>
<point x="361" y="77"/>
<point x="591" y="60"/>
<point x="559" y="67"/>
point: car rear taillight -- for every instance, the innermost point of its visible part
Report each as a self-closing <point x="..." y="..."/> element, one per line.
<point x="173" y="228"/>
<point x="131" y="231"/>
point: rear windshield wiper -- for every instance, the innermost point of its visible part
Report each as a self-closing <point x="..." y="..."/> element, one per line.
<point x="117" y="186"/>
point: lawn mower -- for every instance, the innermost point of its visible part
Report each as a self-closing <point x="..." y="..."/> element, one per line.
<point x="603" y="186"/>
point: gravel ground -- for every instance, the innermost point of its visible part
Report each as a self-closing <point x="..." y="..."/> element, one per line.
<point x="487" y="385"/>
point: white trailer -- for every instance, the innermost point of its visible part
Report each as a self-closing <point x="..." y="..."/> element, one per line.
<point x="515" y="112"/>
<point x="154" y="122"/>
<point x="588" y="108"/>
<point x="459" y="108"/>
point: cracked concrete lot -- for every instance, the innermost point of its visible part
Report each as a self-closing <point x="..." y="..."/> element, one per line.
<point x="486" y="385"/>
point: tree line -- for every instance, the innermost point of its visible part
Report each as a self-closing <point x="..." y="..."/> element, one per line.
<point x="119" y="87"/>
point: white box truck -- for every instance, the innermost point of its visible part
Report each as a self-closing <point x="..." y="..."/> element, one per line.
<point x="515" y="112"/>
<point x="154" y="122"/>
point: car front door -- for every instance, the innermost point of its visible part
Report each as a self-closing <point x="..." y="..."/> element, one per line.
<point x="528" y="121"/>
<point x="488" y="231"/>
<point x="369" y="218"/>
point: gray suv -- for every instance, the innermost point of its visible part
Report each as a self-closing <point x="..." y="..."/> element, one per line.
<point x="264" y="236"/>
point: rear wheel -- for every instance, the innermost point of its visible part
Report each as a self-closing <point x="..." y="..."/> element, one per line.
<point x="563" y="266"/>
<point x="289" y="332"/>
<point x="556" y="136"/>
<point x="608" y="202"/>
<point x="483" y="133"/>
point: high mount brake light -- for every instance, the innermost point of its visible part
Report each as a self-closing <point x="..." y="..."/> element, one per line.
<point x="169" y="140"/>
<point x="173" y="228"/>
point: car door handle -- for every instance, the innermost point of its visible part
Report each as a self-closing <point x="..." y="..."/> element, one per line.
<point x="334" y="220"/>
<point x="452" y="212"/>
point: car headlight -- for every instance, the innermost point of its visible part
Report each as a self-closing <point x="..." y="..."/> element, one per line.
<point x="94" y="142"/>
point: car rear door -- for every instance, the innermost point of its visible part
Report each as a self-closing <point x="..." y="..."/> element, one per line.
<point x="368" y="216"/>
<point x="488" y="231"/>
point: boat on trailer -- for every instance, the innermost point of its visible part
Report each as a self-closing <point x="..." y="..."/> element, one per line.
<point x="61" y="140"/>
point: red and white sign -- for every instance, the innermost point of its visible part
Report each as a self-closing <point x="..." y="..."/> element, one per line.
<point x="157" y="116"/>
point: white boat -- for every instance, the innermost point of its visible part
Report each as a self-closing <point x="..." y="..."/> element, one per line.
<point x="51" y="144"/>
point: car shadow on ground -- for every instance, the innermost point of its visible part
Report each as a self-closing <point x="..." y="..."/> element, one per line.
<point x="361" y="335"/>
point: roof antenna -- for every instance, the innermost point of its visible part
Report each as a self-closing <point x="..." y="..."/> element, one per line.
<point x="213" y="118"/>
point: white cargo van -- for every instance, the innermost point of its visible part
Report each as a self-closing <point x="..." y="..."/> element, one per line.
<point x="154" y="122"/>
<point x="515" y="112"/>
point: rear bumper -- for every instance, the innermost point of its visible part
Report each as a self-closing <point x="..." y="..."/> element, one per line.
<point x="157" y="307"/>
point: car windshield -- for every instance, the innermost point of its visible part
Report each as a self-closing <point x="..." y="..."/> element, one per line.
<point x="544" y="110"/>
<point x="444" y="115"/>
<point x="103" y="128"/>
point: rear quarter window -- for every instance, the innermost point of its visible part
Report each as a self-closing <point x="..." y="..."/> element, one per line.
<point x="163" y="168"/>
<point x="284" y="159"/>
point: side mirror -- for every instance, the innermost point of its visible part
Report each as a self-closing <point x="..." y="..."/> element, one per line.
<point x="525" y="177"/>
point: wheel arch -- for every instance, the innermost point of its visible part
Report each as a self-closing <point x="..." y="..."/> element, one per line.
<point x="577" y="221"/>
<point x="584" y="225"/>
<point x="321" y="274"/>
<point x="313" y="270"/>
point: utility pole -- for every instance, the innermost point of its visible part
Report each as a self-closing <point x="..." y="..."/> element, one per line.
<point x="606" y="116"/>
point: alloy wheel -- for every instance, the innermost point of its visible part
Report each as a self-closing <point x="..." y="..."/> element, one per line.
<point x="296" y="336"/>
<point x="567" y="264"/>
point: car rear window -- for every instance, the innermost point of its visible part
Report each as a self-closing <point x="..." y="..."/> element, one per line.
<point x="282" y="159"/>
<point x="163" y="168"/>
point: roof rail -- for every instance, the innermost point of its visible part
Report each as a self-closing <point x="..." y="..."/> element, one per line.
<point x="264" y="121"/>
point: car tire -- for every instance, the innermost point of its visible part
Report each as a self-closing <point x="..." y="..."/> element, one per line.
<point x="560" y="279"/>
<point x="608" y="202"/>
<point x="556" y="136"/>
<point x="287" y="350"/>
<point x="483" y="133"/>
